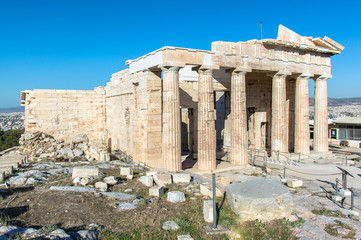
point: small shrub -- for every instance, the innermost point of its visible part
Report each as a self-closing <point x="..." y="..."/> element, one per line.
<point x="332" y="229"/>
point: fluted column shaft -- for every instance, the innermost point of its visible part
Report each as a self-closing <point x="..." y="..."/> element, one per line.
<point x="239" y="137"/>
<point x="321" y="116"/>
<point x="171" y="121"/>
<point x="206" y="121"/>
<point x="279" y="124"/>
<point x="302" y="112"/>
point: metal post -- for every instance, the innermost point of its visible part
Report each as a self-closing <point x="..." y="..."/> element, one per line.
<point x="336" y="186"/>
<point x="344" y="180"/>
<point x="284" y="173"/>
<point x="346" y="160"/>
<point x="352" y="196"/>
<point x="214" y="201"/>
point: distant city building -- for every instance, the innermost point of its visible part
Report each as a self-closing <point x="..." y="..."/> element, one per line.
<point x="348" y="128"/>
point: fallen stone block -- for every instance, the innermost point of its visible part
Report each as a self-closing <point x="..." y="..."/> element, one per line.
<point x="267" y="198"/>
<point x="85" y="234"/>
<point x="170" y="225"/>
<point x="119" y="195"/>
<point x="111" y="180"/>
<point x="126" y="206"/>
<point x="146" y="180"/>
<point x="102" y="186"/>
<point x="130" y="177"/>
<point x="156" y="191"/>
<point x="176" y="197"/>
<point x="294" y="183"/>
<point x="80" y="138"/>
<point x="181" y="177"/>
<point x="85" y="181"/>
<point x="206" y="190"/>
<point x="162" y="179"/>
<point x="77" y="180"/>
<point x="125" y="171"/>
<point x="185" y="237"/>
<point x="84" y="172"/>
<point x="208" y="210"/>
<point x="70" y="188"/>
<point x="2" y="176"/>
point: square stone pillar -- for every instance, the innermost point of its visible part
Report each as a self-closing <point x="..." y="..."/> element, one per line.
<point x="171" y="120"/>
<point x="239" y="135"/>
<point x="279" y="126"/>
<point x="206" y="121"/>
<point x="302" y="113"/>
<point x="320" y="136"/>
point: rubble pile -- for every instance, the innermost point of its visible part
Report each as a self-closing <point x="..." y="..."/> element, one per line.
<point x="39" y="146"/>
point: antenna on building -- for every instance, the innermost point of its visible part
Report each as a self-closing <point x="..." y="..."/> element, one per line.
<point x="261" y="29"/>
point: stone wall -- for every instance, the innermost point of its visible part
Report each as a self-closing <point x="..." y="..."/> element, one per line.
<point x="66" y="113"/>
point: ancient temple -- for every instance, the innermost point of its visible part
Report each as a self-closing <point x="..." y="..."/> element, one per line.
<point x="205" y="104"/>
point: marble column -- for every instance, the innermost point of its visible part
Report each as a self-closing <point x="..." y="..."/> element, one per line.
<point x="171" y="123"/>
<point x="206" y="121"/>
<point x="239" y="138"/>
<point x="320" y="139"/>
<point x="279" y="124"/>
<point x="302" y="112"/>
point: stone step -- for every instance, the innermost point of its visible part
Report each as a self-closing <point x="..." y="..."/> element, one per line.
<point x="13" y="164"/>
<point x="7" y="169"/>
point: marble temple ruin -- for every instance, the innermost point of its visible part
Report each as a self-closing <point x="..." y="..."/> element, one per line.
<point x="206" y="104"/>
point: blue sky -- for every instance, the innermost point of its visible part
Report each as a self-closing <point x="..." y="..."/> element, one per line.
<point x="75" y="44"/>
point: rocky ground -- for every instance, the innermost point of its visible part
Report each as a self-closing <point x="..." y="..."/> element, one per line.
<point x="54" y="198"/>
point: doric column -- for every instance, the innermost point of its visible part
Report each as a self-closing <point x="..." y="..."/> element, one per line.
<point x="320" y="139"/>
<point x="279" y="124"/>
<point x="302" y="112"/>
<point x="206" y="121"/>
<point x="171" y="123"/>
<point x="239" y="138"/>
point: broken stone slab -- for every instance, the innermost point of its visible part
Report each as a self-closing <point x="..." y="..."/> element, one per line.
<point x="181" y="177"/>
<point x="146" y="180"/>
<point x="156" y="191"/>
<point x="77" y="180"/>
<point x="70" y="188"/>
<point x="101" y="186"/>
<point x="156" y="171"/>
<point x="294" y="183"/>
<point x="2" y="176"/>
<point x="176" y="197"/>
<point x="85" y="234"/>
<point x="267" y="198"/>
<point x="126" y="206"/>
<point x="208" y="210"/>
<point x="80" y="138"/>
<point x="84" y="172"/>
<point x="77" y="152"/>
<point x="111" y="180"/>
<point x="58" y="234"/>
<point x="163" y="179"/>
<point x="170" y="225"/>
<point x="206" y="190"/>
<point x="17" y="181"/>
<point x="119" y="195"/>
<point x="85" y="181"/>
<point x="185" y="237"/>
<point x="125" y="171"/>
<point x="11" y="230"/>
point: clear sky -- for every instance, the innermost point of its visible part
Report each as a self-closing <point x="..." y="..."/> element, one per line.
<point x="76" y="44"/>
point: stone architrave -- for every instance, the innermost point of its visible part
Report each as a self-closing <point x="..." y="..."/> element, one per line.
<point x="302" y="112"/>
<point x="320" y="142"/>
<point x="171" y="125"/>
<point x="206" y="121"/>
<point x="279" y="132"/>
<point x="239" y="135"/>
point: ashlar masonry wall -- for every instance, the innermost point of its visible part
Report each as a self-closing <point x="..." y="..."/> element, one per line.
<point x="66" y="113"/>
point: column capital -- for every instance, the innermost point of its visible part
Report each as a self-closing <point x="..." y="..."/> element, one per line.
<point x="279" y="74"/>
<point x="171" y="66"/>
<point x="306" y="75"/>
<point x="322" y="77"/>
<point x="205" y="69"/>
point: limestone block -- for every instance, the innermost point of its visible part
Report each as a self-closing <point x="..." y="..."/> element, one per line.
<point x="111" y="180"/>
<point x="84" y="172"/>
<point x="85" y="181"/>
<point x="2" y="176"/>
<point x="163" y="179"/>
<point x="170" y="225"/>
<point x="181" y="177"/>
<point x="294" y="183"/>
<point x="267" y="198"/>
<point x="185" y="237"/>
<point x="156" y="191"/>
<point x="101" y="185"/>
<point x="125" y="171"/>
<point x="206" y="190"/>
<point x="176" y="197"/>
<point x="344" y="192"/>
<point x="208" y="210"/>
<point x="146" y="180"/>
